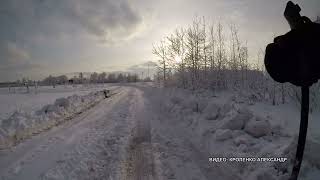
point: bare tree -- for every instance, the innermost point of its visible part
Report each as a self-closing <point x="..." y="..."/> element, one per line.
<point x="161" y="52"/>
<point x="202" y="56"/>
<point x="220" y="54"/>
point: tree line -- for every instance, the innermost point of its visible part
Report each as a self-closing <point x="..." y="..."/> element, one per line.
<point x="200" y="56"/>
<point x="214" y="57"/>
<point x="80" y="79"/>
<point x="93" y="78"/>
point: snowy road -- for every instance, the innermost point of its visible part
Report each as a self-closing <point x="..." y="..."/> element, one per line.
<point x="109" y="141"/>
<point x="146" y="133"/>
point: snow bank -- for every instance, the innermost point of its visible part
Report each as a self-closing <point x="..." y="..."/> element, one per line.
<point x="242" y="133"/>
<point x="21" y="125"/>
<point x="230" y="126"/>
<point x="19" y="99"/>
<point x="258" y="127"/>
<point x="223" y="134"/>
<point x="212" y="111"/>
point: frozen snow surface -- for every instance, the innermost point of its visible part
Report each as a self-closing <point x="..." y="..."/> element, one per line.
<point x="145" y="132"/>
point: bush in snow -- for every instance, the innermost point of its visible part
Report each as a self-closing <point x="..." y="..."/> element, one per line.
<point x="62" y="102"/>
<point x="223" y="134"/>
<point x="226" y="108"/>
<point x="235" y="120"/>
<point x="212" y="111"/>
<point x="16" y="122"/>
<point x="243" y="139"/>
<point x="176" y="100"/>
<point x="50" y="108"/>
<point x="258" y="127"/>
<point x="195" y="104"/>
<point x="231" y="121"/>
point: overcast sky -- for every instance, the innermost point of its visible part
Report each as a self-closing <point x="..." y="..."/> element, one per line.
<point x="42" y="37"/>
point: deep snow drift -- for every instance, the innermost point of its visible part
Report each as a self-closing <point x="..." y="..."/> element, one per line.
<point x="227" y="125"/>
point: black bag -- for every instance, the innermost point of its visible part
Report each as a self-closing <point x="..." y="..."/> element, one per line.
<point x="294" y="57"/>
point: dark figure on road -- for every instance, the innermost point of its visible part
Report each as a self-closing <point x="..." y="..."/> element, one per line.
<point x="106" y="93"/>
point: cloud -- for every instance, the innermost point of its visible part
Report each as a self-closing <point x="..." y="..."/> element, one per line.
<point x="13" y="53"/>
<point x="36" y="32"/>
<point x="15" y="60"/>
<point x="149" y="64"/>
<point x="106" y="20"/>
<point x="146" y="67"/>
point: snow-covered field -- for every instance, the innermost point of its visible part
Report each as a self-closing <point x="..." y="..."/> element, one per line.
<point x="18" y="99"/>
<point x="39" y="112"/>
<point x="156" y="133"/>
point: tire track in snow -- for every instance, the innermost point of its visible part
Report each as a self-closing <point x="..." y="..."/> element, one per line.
<point x="139" y="163"/>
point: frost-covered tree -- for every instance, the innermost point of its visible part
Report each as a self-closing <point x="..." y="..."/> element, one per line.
<point x="161" y="52"/>
<point x="94" y="77"/>
<point x="102" y="77"/>
<point x="207" y="56"/>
